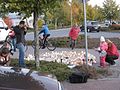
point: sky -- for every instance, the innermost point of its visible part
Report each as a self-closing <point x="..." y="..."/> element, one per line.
<point x="100" y="2"/>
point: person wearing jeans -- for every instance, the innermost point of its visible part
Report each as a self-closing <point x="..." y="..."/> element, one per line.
<point x="21" y="49"/>
<point x="20" y="32"/>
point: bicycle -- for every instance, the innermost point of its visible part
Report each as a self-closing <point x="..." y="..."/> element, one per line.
<point x="50" y="44"/>
<point x="8" y="43"/>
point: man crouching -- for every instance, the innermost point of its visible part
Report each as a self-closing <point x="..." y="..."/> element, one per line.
<point x="5" y="57"/>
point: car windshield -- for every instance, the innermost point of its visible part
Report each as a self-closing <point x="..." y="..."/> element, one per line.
<point x="94" y="23"/>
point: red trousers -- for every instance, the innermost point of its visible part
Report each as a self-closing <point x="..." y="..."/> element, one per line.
<point x="102" y="61"/>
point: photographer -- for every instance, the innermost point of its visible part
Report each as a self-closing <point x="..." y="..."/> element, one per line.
<point x="20" y="32"/>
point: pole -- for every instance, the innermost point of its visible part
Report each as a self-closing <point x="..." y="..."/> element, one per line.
<point x="70" y="3"/>
<point x="85" y="28"/>
<point x="71" y="12"/>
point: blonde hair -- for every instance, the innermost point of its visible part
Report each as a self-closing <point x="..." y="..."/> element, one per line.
<point x="109" y="41"/>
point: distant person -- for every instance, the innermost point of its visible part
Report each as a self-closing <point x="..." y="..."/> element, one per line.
<point x="20" y="32"/>
<point x="46" y="33"/>
<point x="112" y="53"/>
<point x="74" y="33"/>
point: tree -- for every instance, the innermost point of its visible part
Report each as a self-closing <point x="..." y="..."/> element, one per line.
<point x="110" y="10"/>
<point x="27" y="7"/>
<point x="98" y="13"/>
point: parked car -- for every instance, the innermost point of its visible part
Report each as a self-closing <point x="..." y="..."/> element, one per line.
<point x="3" y="30"/>
<point x="91" y="26"/>
<point x="14" y="78"/>
<point x="107" y="23"/>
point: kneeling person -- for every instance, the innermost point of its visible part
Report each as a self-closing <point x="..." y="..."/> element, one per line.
<point x="5" y="57"/>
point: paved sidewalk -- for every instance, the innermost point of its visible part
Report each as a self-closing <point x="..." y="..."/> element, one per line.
<point x="108" y="84"/>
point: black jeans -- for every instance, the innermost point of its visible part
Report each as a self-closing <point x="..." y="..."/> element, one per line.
<point x="110" y="59"/>
<point x="44" y="38"/>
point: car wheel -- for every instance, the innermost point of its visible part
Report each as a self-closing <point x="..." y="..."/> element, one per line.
<point x="88" y="30"/>
<point x="98" y="31"/>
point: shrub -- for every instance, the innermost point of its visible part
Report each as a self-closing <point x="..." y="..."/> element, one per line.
<point x="51" y="26"/>
<point x="91" y="71"/>
<point x="104" y="72"/>
<point x="61" y="71"/>
<point x="115" y="27"/>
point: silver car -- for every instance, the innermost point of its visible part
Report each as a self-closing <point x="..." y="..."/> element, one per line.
<point x="25" y="79"/>
<point x="3" y="30"/>
<point x="92" y="26"/>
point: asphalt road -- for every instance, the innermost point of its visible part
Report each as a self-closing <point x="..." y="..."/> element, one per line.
<point x="64" y="32"/>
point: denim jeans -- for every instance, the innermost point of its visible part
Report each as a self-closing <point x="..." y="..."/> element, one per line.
<point x="21" y="48"/>
<point x="14" y="44"/>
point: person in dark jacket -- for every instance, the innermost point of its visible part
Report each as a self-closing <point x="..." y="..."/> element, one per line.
<point x="20" y="32"/>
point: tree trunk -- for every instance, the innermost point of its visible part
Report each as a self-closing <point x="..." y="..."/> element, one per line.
<point x="36" y="50"/>
<point x="56" y="23"/>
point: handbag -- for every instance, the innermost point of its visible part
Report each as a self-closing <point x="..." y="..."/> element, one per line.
<point x="78" y="77"/>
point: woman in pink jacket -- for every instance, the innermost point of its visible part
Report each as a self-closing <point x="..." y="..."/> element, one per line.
<point x="112" y="53"/>
<point x="74" y="33"/>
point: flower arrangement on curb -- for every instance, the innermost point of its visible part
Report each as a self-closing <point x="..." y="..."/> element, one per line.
<point x="66" y="57"/>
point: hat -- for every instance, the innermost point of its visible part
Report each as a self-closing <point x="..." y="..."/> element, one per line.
<point x="102" y="39"/>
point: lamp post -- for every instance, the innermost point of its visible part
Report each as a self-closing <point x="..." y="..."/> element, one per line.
<point x="85" y="28"/>
<point x="70" y="3"/>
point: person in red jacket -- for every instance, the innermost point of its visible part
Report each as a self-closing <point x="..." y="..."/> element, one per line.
<point x="74" y="32"/>
<point x="112" y="53"/>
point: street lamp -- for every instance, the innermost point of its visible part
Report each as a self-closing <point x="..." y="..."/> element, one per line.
<point x="85" y="28"/>
<point x="70" y="3"/>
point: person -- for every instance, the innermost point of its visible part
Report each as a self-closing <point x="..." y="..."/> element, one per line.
<point x="5" y="56"/>
<point x="74" y="33"/>
<point x="8" y="21"/>
<point x="112" y="53"/>
<point x="46" y="33"/>
<point x="20" y="32"/>
<point x="13" y="40"/>
<point x="102" y="50"/>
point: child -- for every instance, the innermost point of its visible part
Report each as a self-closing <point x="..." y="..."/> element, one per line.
<point x="5" y="56"/>
<point x="74" y="32"/>
<point x="102" y="50"/>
